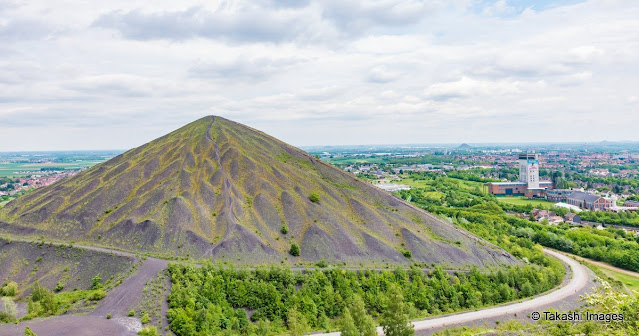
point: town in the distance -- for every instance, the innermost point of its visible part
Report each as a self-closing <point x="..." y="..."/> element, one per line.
<point x="577" y="177"/>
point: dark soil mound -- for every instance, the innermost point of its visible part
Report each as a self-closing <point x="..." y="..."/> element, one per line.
<point x="216" y="188"/>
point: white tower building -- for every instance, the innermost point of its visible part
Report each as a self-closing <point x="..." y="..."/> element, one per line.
<point x="529" y="169"/>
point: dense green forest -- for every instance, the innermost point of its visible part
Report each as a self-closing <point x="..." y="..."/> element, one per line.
<point x="214" y="300"/>
<point x="618" y="218"/>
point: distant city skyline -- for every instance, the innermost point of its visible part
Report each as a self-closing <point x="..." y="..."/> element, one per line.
<point x="115" y="75"/>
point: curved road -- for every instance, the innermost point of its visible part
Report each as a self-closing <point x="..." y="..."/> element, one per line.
<point x="577" y="282"/>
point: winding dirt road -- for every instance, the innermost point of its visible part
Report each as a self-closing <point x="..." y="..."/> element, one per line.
<point x="578" y="281"/>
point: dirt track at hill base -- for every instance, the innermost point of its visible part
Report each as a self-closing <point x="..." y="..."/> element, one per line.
<point x="124" y="297"/>
<point x="117" y="303"/>
<point x="69" y="325"/>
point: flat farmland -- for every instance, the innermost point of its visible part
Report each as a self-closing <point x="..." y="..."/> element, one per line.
<point x="17" y="169"/>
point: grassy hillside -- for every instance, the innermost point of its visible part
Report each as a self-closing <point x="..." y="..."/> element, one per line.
<point x="216" y="188"/>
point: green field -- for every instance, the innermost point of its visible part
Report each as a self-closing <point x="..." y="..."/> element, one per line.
<point x="355" y="160"/>
<point x="14" y="169"/>
<point x="415" y="183"/>
<point x="520" y="200"/>
<point x="422" y="184"/>
<point x="629" y="282"/>
<point x="470" y="184"/>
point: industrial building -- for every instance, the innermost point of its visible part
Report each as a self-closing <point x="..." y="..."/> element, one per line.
<point x="589" y="201"/>
<point x="558" y="195"/>
<point x="528" y="185"/>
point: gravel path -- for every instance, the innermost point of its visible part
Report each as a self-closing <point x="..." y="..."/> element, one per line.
<point x="69" y="325"/>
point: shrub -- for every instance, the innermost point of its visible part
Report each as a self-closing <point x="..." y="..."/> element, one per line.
<point x="284" y="229"/>
<point x="145" y="318"/>
<point x="9" y="306"/>
<point x="96" y="295"/>
<point x="42" y="301"/>
<point x="321" y="264"/>
<point x="97" y="282"/>
<point x="407" y="254"/>
<point x="9" y="290"/>
<point x="108" y="316"/>
<point x="131" y="312"/>
<point x="5" y="317"/>
<point x="28" y="332"/>
<point x="295" y="250"/>
<point x="59" y="287"/>
<point x="149" y="331"/>
<point x="314" y="197"/>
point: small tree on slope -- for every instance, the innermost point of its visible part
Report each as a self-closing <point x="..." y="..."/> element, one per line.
<point x="394" y="319"/>
<point x="363" y="322"/>
<point x="347" y="324"/>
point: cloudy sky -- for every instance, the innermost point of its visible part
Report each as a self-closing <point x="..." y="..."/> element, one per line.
<point x="116" y="74"/>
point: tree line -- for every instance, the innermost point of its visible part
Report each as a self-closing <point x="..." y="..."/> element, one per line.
<point x="216" y="299"/>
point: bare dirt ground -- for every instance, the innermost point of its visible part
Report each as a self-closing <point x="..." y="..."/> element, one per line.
<point x="117" y="303"/>
<point x="69" y="325"/>
<point x="126" y="296"/>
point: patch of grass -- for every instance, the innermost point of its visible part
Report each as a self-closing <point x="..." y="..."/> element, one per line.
<point x="631" y="283"/>
<point x="525" y="201"/>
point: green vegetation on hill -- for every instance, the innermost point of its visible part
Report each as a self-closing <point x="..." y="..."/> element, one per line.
<point x="482" y="214"/>
<point x="215" y="299"/>
<point x="619" y="218"/>
<point x="43" y="302"/>
<point x="59" y="268"/>
<point x="55" y="279"/>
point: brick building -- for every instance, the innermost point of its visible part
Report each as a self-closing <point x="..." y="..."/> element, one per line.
<point x="589" y="201"/>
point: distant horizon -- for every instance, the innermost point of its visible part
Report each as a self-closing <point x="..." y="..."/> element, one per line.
<point x="443" y="144"/>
